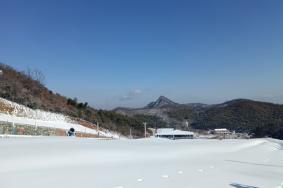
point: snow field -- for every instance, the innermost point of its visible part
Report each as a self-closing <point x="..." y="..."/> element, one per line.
<point x="145" y="163"/>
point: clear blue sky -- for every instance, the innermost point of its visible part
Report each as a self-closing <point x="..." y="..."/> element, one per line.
<point x="128" y="52"/>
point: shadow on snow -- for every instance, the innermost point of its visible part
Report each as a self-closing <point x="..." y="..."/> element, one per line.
<point x="236" y="185"/>
<point x="257" y="164"/>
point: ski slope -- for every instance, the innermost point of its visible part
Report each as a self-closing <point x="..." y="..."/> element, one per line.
<point x="21" y="114"/>
<point x="146" y="163"/>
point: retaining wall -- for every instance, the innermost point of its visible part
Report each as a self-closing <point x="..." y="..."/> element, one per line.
<point x="20" y="129"/>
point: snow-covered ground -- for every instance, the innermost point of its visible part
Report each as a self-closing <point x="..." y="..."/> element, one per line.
<point x="23" y="111"/>
<point x="53" y="124"/>
<point x="146" y="163"/>
<point x="27" y="116"/>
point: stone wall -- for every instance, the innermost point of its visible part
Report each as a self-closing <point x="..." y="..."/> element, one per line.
<point x="18" y="129"/>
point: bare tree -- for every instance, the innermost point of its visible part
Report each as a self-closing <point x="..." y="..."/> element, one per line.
<point x="36" y="74"/>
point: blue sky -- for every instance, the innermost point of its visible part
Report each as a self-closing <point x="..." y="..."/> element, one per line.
<point x="128" y="52"/>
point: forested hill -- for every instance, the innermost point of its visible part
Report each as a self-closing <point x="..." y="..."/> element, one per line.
<point x="27" y="88"/>
<point x="260" y="118"/>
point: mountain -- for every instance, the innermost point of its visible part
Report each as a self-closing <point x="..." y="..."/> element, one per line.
<point x="241" y="115"/>
<point x="162" y="107"/>
<point x="28" y="89"/>
<point x="161" y="102"/>
<point x="158" y="108"/>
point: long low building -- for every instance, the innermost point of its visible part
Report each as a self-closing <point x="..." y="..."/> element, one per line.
<point x="222" y="131"/>
<point x="173" y="134"/>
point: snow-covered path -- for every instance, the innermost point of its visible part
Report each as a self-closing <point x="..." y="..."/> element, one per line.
<point x="152" y="163"/>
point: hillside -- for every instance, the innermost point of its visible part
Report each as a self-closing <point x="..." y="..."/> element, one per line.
<point x="27" y="88"/>
<point x="24" y="117"/>
<point x="260" y="118"/>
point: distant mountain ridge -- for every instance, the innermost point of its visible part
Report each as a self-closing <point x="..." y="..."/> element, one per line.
<point x="160" y="107"/>
<point x="164" y="102"/>
<point x="242" y="115"/>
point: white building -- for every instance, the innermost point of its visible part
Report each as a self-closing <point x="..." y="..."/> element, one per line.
<point x="222" y="131"/>
<point x="173" y="134"/>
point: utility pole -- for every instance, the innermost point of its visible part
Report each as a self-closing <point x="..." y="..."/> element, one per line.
<point x="187" y="125"/>
<point x="131" y="136"/>
<point x="144" y="123"/>
<point x="155" y="126"/>
<point x="14" y="128"/>
<point x="97" y="126"/>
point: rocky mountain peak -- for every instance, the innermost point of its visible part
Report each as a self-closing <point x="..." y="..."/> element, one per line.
<point x="161" y="102"/>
